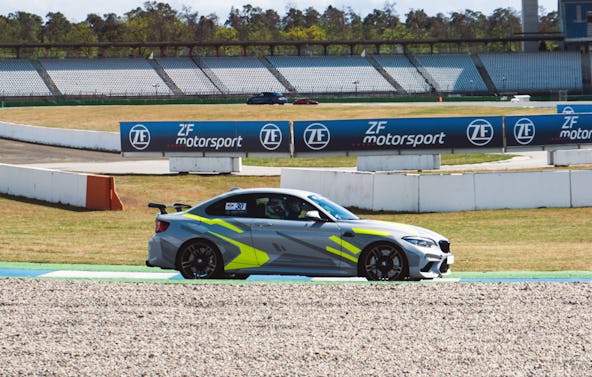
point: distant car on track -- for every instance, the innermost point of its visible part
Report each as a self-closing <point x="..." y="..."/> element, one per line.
<point x="267" y="98"/>
<point x="305" y="101"/>
<point x="290" y="232"/>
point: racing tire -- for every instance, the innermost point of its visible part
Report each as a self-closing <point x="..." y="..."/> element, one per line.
<point x="200" y="259"/>
<point x="383" y="262"/>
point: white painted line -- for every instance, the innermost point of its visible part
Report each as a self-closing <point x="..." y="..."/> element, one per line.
<point x="338" y="279"/>
<point x="109" y="275"/>
<point x="442" y="280"/>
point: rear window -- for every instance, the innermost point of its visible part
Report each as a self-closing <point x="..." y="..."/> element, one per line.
<point x="234" y="206"/>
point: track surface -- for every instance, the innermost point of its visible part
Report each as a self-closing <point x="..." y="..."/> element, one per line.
<point x="136" y="273"/>
<point x="17" y="152"/>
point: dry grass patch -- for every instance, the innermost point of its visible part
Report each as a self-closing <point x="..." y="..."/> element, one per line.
<point x="107" y="118"/>
<point x="537" y="239"/>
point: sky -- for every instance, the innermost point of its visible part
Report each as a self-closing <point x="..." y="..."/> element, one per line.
<point x="77" y="10"/>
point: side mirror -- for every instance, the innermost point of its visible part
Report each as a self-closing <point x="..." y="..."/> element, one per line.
<point x="313" y="215"/>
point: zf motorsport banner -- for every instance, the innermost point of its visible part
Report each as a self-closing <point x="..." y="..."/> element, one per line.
<point x="539" y="130"/>
<point x="394" y="134"/>
<point x="190" y="136"/>
<point x="574" y="108"/>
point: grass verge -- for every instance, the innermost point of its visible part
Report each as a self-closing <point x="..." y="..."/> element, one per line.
<point x="538" y="239"/>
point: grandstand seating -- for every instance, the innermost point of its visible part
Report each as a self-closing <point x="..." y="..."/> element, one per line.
<point x="20" y="78"/>
<point x="534" y="71"/>
<point x="453" y="73"/>
<point x="188" y="76"/>
<point x="242" y="75"/>
<point x="110" y="77"/>
<point x="404" y="72"/>
<point x="305" y="75"/>
<point x="331" y="74"/>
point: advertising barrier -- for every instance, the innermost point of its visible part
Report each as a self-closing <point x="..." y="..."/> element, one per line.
<point x="574" y="108"/>
<point x="398" y="134"/>
<point x="361" y="135"/>
<point x="202" y="137"/>
<point x="541" y="130"/>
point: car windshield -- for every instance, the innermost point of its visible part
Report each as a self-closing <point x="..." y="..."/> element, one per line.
<point x="334" y="209"/>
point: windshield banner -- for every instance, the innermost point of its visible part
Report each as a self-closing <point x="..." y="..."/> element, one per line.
<point x="233" y="137"/>
<point x="398" y="134"/>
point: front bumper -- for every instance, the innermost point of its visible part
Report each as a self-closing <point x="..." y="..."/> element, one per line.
<point x="431" y="266"/>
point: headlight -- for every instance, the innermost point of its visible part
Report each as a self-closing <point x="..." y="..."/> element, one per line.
<point x="420" y="241"/>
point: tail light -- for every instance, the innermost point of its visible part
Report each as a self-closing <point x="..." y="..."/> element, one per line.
<point x="161" y="226"/>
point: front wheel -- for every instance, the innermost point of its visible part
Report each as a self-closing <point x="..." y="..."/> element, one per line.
<point x="199" y="260"/>
<point x="384" y="262"/>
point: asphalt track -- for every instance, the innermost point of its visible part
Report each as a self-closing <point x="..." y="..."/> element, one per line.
<point x="145" y="274"/>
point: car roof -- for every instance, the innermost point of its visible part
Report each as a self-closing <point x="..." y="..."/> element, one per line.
<point x="270" y="190"/>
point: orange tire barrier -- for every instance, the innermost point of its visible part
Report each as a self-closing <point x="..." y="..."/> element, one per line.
<point x="100" y="193"/>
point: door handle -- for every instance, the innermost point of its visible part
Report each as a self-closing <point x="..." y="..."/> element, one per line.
<point x="348" y="234"/>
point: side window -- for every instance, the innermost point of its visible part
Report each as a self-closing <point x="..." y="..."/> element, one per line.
<point x="281" y="207"/>
<point x="235" y="206"/>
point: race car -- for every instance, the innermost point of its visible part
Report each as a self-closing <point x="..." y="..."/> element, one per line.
<point x="275" y="231"/>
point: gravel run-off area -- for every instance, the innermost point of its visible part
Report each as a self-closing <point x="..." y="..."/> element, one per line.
<point x="84" y="328"/>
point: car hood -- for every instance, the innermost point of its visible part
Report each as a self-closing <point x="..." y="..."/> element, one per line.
<point x="398" y="230"/>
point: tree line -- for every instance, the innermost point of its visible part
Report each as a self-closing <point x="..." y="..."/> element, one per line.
<point x="159" y="22"/>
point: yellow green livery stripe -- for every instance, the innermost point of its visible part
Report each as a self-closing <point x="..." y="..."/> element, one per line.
<point x="249" y="256"/>
<point x="220" y="222"/>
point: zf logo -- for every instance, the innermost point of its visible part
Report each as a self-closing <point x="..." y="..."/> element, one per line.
<point x="270" y="137"/>
<point x="317" y="136"/>
<point x="524" y="131"/>
<point x="480" y="132"/>
<point x="139" y="137"/>
<point x="568" y="110"/>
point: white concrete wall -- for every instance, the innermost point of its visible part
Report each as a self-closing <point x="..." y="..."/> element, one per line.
<point x="446" y="192"/>
<point x="581" y="188"/>
<point x="522" y="189"/>
<point x="355" y="189"/>
<point x="395" y="190"/>
<point x="43" y="184"/>
<point x="570" y="157"/>
<point x="398" y="162"/>
<point x="205" y="164"/>
<point x="103" y="141"/>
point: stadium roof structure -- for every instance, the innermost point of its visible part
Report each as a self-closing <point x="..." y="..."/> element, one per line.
<point x="299" y="46"/>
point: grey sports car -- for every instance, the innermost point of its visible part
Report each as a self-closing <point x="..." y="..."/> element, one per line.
<point x="290" y="232"/>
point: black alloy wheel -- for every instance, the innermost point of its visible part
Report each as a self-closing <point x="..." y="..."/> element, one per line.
<point x="384" y="262"/>
<point x="200" y="260"/>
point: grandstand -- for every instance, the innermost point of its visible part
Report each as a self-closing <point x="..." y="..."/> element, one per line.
<point x="331" y="74"/>
<point x="105" y="77"/>
<point x="535" y="71"/>
<point x="20" y="78"/>
<point x="241" y="75"/>
<point x="338" y="75"/>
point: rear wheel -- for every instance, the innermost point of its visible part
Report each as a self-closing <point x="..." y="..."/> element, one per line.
<point x="383" y="261"/>
<point x="199" y="260"/>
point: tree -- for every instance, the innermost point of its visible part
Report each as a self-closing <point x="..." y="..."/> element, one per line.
<point x="109" y="28"/>
<point x="294" y="18"/>
<point x="156" y="22"/>
<point x="380" y="20"/>
<point x="56" y="28"/>
<point x="418" y="23"/>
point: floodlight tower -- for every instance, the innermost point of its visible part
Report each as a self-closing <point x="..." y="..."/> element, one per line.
<point x="530" y="23"/>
